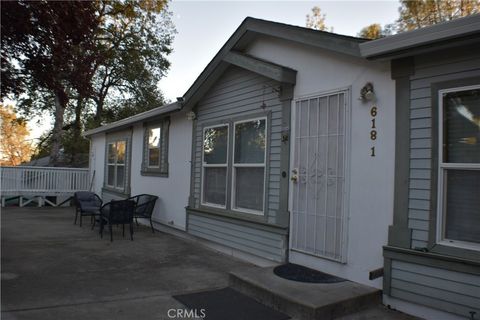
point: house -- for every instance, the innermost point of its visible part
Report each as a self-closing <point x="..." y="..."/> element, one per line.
<point x="432" y="259"/>
<point x="315" y="148"/>
<point x="146" y="153"/>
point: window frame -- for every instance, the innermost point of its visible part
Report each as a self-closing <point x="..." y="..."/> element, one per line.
<point x="248" y="165"/>
<point x="163" y="166"/>
<point x="205" y="165"/>
<point x="442" y="170"/>
<point x="115" y="165"/>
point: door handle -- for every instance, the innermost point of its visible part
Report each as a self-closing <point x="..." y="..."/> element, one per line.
<point x="294" y="176"/>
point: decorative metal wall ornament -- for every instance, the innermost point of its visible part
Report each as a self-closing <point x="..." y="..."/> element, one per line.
<point x="367" y="93"/>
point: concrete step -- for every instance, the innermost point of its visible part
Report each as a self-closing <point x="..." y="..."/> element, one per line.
<point x="304" y="300"/>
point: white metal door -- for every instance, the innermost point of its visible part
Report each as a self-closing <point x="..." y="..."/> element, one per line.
<point x="317" y="225"/>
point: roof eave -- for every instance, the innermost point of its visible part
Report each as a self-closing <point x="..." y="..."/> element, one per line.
<point x="453" y="32"/>
<point x="141" y="117"/>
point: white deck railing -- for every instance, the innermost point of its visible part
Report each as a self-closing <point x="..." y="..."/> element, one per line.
<point x="42" y="181"/>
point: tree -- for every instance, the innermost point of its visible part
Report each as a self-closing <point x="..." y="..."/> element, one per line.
<point x="14" y="145"/>
<point x="51" y="42"/>
<point x="135" y="39"/>
<point x="87" y="62"/>
<point x="416" y="14"/>
<point x="374" y="31"/>
<point x="317" y="20"/>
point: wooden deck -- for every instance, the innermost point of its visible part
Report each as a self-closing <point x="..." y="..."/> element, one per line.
<point x="39" y="184"/>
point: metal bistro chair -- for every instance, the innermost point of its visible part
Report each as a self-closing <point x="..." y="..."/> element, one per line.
<point x="116" y="213"/>
<point x="86" y="204"/>
<point x="144" y="204"/>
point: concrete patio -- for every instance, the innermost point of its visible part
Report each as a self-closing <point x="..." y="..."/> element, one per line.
<point x="52" y="269"/>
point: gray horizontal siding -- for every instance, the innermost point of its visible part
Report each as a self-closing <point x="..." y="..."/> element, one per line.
<point x="240" y="93"/>
<point x="428" y="70"/>
<point x="251" y="240"/>
<point x="442" y="289"/>
<point x="236" y="94"/>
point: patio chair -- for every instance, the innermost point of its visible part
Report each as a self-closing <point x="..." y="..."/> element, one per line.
<point x="144" y="204"/>
<point x="86" y="204"/>
<point x="116" y="213"/>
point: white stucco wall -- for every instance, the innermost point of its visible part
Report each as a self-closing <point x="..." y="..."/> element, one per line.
<point x="370" y="192"/>
<point x="173" y="191"/>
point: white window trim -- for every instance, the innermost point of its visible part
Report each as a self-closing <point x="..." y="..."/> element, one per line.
<point x="115" y="165"/>
<point x="205" y="165"/>
<point x="249" y="165"/>
<point x="441" y="173"/>
<point x="160" y="142"/>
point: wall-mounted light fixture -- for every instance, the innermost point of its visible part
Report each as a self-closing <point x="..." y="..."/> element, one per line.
<point x="367" y="93"/>
<point x="191" y="115"/>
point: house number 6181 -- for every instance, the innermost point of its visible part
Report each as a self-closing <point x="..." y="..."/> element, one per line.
<point x="373" y="132"/>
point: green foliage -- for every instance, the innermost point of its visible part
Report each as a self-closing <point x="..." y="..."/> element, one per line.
<point x="374" y="31"/>
<point x="316" y="20"/>
<point x="416" y="14"/>
<point x="135" y="38"/>
<point x="14" y="145"/>
<point x="86" y="62"/>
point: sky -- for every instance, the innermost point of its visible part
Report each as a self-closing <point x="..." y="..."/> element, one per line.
<point x="204" y="26"/>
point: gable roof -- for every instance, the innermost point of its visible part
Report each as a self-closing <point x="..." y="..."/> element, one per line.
<point x="252" y="28"/>
<point x="447" y="34"/>
<point x="231" y="54"/>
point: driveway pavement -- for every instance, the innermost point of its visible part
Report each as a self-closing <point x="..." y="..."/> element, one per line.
<point x="52" y="269"/>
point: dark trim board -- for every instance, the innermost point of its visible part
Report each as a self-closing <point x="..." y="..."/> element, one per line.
<point x="431" y="259"/>
<point x="265" y="68"/>
<point x="240" y="219"/>
<point x="399" y="234"/>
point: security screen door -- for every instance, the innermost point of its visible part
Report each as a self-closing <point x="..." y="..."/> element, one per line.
<point x="318" y="177"/>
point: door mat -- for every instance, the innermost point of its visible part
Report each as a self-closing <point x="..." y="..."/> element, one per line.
<point x="298" y="273"/>
<point x="228" y="304"/>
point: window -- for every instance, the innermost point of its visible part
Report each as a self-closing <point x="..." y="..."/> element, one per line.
<point x="155" y="150"/>
<point x="116" y="164"/>
<point x="153" y="159"/>
<point x="214" y="166"/>
<point x="244" y="170"/>
<point x="459" y="167"/>
<point x="249" y="165"/>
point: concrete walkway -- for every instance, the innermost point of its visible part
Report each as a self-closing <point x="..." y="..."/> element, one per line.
<point x="52" y="269"/>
